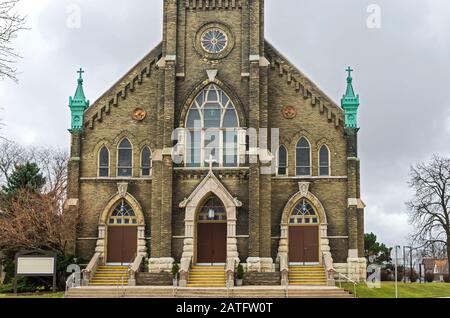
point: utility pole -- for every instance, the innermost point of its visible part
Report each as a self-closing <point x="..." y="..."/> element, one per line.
<point x="396" y="269"/>
<point x="411" y="264"/>
<point x="404" y="264"/>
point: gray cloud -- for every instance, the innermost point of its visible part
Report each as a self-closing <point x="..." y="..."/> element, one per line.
<point x="402" y="74"/>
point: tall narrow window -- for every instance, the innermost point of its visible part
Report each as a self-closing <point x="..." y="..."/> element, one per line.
<point x="146" y="162"/>
<point x="212" y="130"/>
<point x="125" y="159"/>
<point x="324" y="161"/>
<point x="103" y="162"/>
<point x="282" y="161"/>
<point x="303" y="152"/>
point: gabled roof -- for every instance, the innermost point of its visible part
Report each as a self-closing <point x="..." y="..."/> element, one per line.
<point x="134" y="78"/>
<point x="304" y="86"/>
<point x="143" y="69"/>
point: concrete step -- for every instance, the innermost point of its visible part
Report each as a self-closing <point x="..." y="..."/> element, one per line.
<point x="202" y="292"/>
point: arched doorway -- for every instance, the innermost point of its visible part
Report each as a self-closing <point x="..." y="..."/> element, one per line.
<point x="122" y="234"/>
<point x="304" y="239"/>
<point x="212" y="232"/>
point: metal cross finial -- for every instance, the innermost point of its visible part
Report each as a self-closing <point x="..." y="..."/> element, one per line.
<point x="211" y="161"/>
<point x="81" y="73"/>
<point x="350" y="70"/>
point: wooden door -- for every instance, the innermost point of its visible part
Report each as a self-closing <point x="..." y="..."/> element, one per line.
<point x="122" y="244"/>
<point x="211" y="243"/>
<point x="304" y="244"/>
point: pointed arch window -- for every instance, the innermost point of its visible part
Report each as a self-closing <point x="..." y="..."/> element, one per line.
<point x="123" y="214"/>
<point x="324" y="161"/>
<point x="303" y="157"/>
<point x="212" y="125"/>
<point x="146" y="162"/>
<point x="212" y="210"/>
<point x="282" y="161"/>
<point x="125" y="159"/>
<point x="103" y="162"/>
<point x="304" y="213"/>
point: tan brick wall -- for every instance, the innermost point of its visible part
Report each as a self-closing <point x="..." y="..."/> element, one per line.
<point x="154" y="95"/>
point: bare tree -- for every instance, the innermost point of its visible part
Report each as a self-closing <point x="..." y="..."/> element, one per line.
<point x="51" y="161"/>
<point x="11" y="23"/>
<point x="430" y="209"/>
<point x="11" y="154"/>
<point x="35" y="221"/>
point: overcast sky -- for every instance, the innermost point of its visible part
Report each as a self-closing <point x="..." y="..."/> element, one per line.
<point x="402" y="74"/>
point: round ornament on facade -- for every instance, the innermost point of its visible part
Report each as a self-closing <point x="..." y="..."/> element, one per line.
<point x="289" y="112"/>
<point x="214" y="41"/>
<point x="139" y="114"/>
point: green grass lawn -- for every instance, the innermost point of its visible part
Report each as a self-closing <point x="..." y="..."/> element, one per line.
<point x="387" y="290"/>
<point x="50" y="295"/>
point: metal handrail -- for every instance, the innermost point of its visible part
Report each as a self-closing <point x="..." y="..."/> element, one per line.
<point x="121" y="287"/>
<point x="72" y="281"/>
<point x="349" y="280"/>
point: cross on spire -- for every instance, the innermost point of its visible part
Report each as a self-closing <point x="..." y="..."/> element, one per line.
<point x="81" y="73"/>
<point x="349" y="70"/>
<point x="211" y="161"/>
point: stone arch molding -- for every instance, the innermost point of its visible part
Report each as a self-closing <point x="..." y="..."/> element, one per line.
<point x="200" y="87"/>
<point x="304" y="193"/>
<point x="209" y="186"/>
<point x="122" y="194"/>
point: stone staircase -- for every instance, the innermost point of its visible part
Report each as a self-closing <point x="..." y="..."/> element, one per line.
<point x="307" y="276"/>
<point x="207" y="276"/>
<point x="249" y="292"/>
<point x="110" y="276"/>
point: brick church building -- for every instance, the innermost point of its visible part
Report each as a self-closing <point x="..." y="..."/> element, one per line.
<point x="212" y="151"/>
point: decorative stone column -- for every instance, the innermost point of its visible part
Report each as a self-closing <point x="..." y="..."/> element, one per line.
<point x="101" y="241"/>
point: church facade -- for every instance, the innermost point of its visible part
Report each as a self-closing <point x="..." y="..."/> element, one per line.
<point x="215" y="150"/>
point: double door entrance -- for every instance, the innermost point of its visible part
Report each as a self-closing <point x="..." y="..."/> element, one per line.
<point x="122" y="244"/>
<point x="303" y="244"/>
<point x="211" y="243"/>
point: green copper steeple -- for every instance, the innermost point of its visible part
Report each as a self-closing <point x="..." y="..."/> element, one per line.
<point x="350" y="103"/>
<point x="78" y="104"/>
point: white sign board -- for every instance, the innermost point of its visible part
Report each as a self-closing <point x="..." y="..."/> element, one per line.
<point x="35" y="266"/>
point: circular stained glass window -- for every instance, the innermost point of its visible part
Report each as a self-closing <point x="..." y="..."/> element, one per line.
<point x="214" y="41"/>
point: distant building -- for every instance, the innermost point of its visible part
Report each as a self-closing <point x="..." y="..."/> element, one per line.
<point x="439" y="267"/>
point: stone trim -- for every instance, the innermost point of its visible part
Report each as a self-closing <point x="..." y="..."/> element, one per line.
<point x="103" y="224"/>
<point x="213" y="4"/>
<point x="116" y="179"/>
<point x="311" y="177"/>
<point x="121" y="89"/>
<point x="193" y="94"/>
<point x="209" y="185"/>
<point x="283" y="249"/>
<point x="302" y="84"/>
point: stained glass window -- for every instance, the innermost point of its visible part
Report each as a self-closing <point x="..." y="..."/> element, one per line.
<point x="212" y="124"/>
<point x="324" y="161"/>
<point x="125" y="159"/>
<point x="303" y="152"/>
<point x="103" y="163"/>
<point x="214" y="41"/>
<point x="123" y="214"/>
<point x="304" y="213"/>
<point x="212" y="210"/>
<point x="146" y="162"/>
<point x="282" y="161"/>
